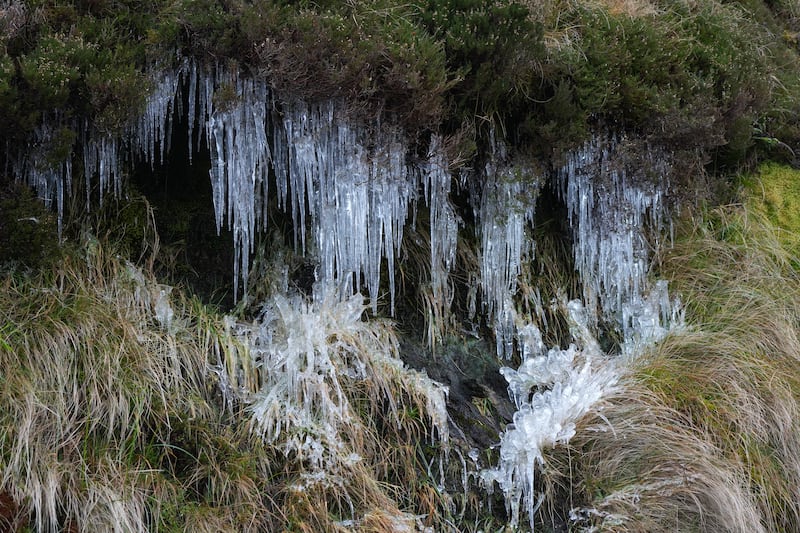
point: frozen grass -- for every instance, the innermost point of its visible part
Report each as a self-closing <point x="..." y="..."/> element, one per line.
<point x="111" y="421"/>
<point x="704" y="433"/>
<point x="333" y="397"/>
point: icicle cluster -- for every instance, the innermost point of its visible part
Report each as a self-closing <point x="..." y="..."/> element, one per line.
<point x="237" y="137"/>
<point x="436" y="180"/>
<point x="36" y="167"/>
<point x="103" y="154"/>
<point x="506" y="210"/>
<point x="355" y="188"/>
<point x="613" y="204"/>
<point x="150" y="134"/>
<point x="553" y="389"/>
<point x="348" y="183"/>
<point x="102" y="158"/>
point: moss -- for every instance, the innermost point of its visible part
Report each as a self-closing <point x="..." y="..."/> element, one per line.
<point x="775" y="191"/>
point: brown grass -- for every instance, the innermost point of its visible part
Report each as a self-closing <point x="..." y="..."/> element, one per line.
<point x="706" y="433"/>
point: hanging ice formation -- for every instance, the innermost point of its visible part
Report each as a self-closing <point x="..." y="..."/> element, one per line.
<point x="354" y="187"/>
<point x="506" y="210"/>
<point x="348" y="183"/>
<point x="436" y="180"/>
<point x="103" y="154"/>
<point x="150" y="134"/>
<point x="37" y="167"/>
<point x="237" y="138"/>
<point x="612" y="209"/>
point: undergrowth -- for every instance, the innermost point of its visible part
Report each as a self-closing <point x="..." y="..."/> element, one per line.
<point x="720" y="77"/>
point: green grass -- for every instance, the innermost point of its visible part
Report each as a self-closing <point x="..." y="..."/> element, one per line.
<point x="774" y="190"/>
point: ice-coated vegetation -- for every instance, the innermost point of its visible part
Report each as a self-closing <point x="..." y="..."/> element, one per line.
<point x="349" y="188"/>
<point x="392" y="160"/>
<point x="302" y="358"/>
<point x="553" y="389"/>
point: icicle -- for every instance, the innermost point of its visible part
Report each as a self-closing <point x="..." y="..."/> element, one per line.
<point x="506" y="209"/>
<point x="355" y="197"/>
<point x="150" y="134"/>
<point x="443" y="227"/>
<point x="34" y="166"/>
<point x="239" y="170"/>
<point x="191" y="113"/>
<point x="612" y="202"/>
<point x="102" y="157"/>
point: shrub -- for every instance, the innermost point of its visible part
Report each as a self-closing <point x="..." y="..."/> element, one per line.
<point x="28" y="233"/>
<point x="495" y="50"/>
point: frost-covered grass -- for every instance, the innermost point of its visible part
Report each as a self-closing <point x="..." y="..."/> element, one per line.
<point x="112" y="420"/>
<point x="703" y="433"/>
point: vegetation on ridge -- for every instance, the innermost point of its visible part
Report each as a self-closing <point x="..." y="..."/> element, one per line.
<point x="721" y="77"/>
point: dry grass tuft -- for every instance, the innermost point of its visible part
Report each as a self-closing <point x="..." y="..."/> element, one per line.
<point x="93" y="365"/>
<point x="705" y="435"/>
<point x="111" y="421"/>
<point x="124" y="406"/>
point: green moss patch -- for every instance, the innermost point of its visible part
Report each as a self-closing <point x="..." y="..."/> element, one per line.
<point x="775" y="191"/>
